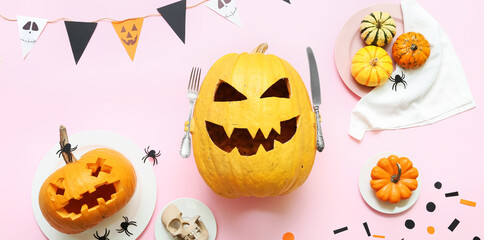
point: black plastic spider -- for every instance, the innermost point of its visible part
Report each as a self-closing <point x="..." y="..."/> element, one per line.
<point x="124" y="226"/>
<point x="398" y="80"/>
<point x="151" y="154"/>
<point x="103" y="237"/>
<point x="67" y="149"/>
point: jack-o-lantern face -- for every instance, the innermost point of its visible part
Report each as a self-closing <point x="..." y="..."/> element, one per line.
<point x="131" y="36"/>
<point x="254" y="132"/>
<point x="129" y="33"/>
<point x="79" y="195"/>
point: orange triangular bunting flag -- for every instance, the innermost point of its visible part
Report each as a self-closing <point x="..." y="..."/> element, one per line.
<point x="129" y="32"/>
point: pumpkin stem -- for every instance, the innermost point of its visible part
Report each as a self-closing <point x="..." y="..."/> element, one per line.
<point x="262" y="48"/>
<point x="413" y="47"/>
<point x="64" y="140"/>
<point x="373" y="62"/>
<point x="379" y="24"/>
<point x="396" y="178"/>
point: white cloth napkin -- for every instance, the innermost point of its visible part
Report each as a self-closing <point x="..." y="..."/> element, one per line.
<point x="435" y="91"/>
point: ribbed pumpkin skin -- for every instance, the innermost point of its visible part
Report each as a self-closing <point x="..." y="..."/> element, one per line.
<point x="78" y="180"/>
<point x="378" y="29"/>
<point x="381" y="182"/>
<point x="371" y="66"/>
<point x="411" y="50"/>
<point x="272" y="173"/>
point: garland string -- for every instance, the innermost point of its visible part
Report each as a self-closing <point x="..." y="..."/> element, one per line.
<point x="106" y="19"/>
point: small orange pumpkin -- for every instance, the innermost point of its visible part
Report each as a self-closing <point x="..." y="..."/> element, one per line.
<point x="81" y="194"/>
<point x="394" y="179"/>
<point x="411" y="50"/>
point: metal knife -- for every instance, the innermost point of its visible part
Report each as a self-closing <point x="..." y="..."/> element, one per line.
<point x="316" y="95"/>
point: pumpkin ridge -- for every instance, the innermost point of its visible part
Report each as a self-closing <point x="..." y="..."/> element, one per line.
<point x="375" y="40"/>
<point x="373" y="16"/>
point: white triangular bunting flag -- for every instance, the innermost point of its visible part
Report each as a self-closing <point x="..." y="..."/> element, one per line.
<point x="29" y="29"/>
<point x="227" y="9"/>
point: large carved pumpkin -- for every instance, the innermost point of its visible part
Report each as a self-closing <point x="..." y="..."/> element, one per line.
<point x="254" y="131"/>
<point x="79" y="195"/>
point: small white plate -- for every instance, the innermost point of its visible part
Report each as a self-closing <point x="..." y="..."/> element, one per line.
<point x="189" y="207"/>
<point x="141" y="206"/>
<point x="369" y="194"/>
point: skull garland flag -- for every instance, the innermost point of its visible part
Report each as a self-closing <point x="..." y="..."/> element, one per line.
<point x="227" y="9"/>
<point x="29" y="29"/>
<point x="129" y="32"/>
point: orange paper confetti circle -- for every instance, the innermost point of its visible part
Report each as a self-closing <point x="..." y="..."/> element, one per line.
<point x="431" y="230"/>
<point x="288" y="236"/>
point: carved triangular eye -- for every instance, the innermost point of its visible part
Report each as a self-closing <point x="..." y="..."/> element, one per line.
<point x="279" y="89"/>
<point x="123" y="29"/>
<point x="226" y="93"/>
<point x="134" y="28"/>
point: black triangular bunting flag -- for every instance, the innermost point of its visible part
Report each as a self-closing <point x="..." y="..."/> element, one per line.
<point x="174" y="14"/>
<point x="79" y="35"/>
<point x="287" y="1"/>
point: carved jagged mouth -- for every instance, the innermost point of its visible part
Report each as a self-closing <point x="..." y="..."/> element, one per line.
<point x="243" y="141"/>
<point x="130" y="41"/>
<point x="104" y="191"/>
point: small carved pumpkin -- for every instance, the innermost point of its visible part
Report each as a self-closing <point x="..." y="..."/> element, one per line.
<point x="411" y="50"/>
<point x="79" y="195"/>
<point x="371" y="66"/>
<point x="378" y="29"/>
<point x="394" y="179"/>
<point x="254" y="131"/>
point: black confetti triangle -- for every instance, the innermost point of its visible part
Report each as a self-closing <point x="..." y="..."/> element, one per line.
<point x="287" y="1"/>
<point x="79" y="35"/>
<point x="175" y="15"/>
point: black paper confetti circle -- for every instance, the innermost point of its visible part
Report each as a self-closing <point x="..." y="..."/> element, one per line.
<point x="410" y="224"/>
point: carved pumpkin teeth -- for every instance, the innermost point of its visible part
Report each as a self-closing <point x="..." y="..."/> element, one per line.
<point x="229" y="129"/>
<point x="267" y="131"/>
<point x="90" y="199"/>
<point x="253" y="132"/>
<point x="246" y="141"/>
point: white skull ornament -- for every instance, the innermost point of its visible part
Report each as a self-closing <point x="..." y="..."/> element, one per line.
<point x="181" y="228"/>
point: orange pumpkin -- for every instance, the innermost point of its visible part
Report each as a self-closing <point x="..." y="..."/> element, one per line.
<point x="394" y="179"/>
<point x="79" y="195"/>
<point x="411" y="50"/>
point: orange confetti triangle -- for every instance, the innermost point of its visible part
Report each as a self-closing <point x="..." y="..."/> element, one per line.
<point x="129" y="32"/>
<point x="288" y="236"/>
<point x="378" y="236"/>
<point x="468" y="203"/>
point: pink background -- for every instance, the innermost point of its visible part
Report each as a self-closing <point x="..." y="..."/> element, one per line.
<point x="145" y="101"/>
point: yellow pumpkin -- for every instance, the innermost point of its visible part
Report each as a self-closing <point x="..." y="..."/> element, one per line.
<point x="79" y="195"/>
<point x="371" y="66"/>
<point x="254" y="131"/>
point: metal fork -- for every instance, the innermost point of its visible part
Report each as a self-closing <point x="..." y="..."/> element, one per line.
<point x="193" y="86"/>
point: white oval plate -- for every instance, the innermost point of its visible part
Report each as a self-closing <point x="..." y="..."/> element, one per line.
<point x="369" y="195"/>
<point x="189" y="207"/>
<point x="141" y="206"/>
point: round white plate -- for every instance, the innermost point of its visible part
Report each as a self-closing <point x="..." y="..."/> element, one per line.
<point x="141" y="206"/>
<point x="189" y="207"/>
<point x="369" y="194"/>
